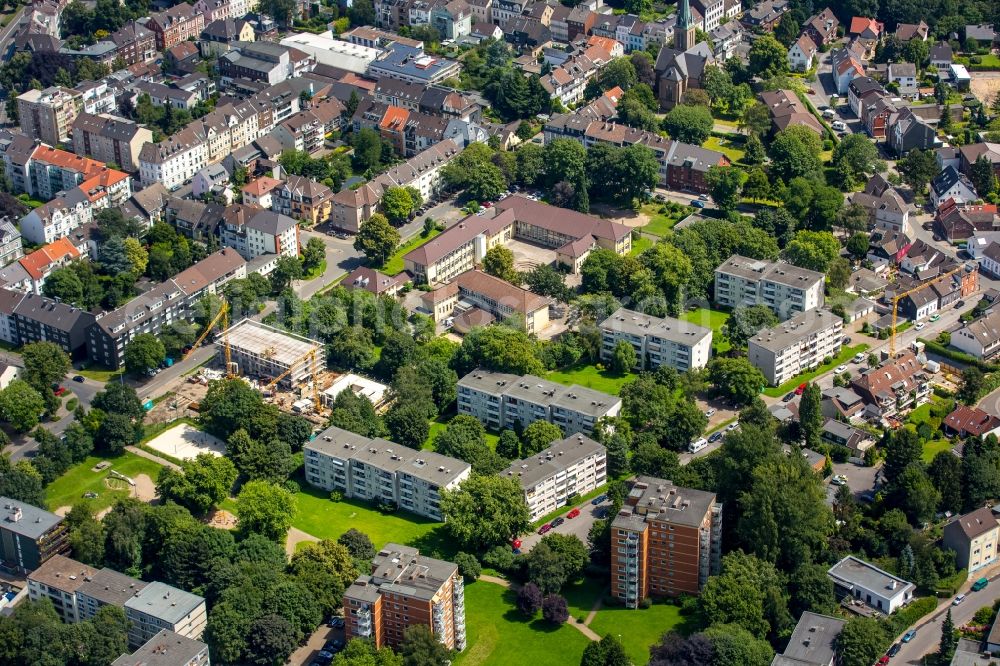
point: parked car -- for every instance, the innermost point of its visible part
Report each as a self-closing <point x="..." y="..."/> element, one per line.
<point x="839" y="125"/>
<point x="883" y="660"/>
<point x="919" y="326"/>
<point x="908" y="636"/>
<point x="789" y="397"/>
<point x="935" y="317"/>
<point x="840" y="369"/>
<point x="959" y="599"/>
<point x="980" y="584"/>
<point x="335" y="622"/>
<point x="710" y="413"/>
<point x="334" y="646"/>
<point x="698" y="204"/>
<point x="59" y="390"/>
<point x="702" y="197"/>
<point x="714" y="437"/>
<point x="697" y="445"/>
<point x="733" y="426"/>
<point x="839" y="480"/>
<point x="544" y="528"/>
<point x="959" y="304"/>
<point x="894" y="650"/>
<point x="801" y="387"/>
<point x="597" y="500"/>
<point x="859" y="357"/>
<point x="573" y="514"/>
<point x="558" y="521"/>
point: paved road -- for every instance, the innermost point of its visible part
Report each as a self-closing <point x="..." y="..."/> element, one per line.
<point x="929" y="631"/>
<point x="24" y="446"/>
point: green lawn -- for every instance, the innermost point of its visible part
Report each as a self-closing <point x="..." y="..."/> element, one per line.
<point x="934" y="446"/>
<point x="499" y="635"/>
<point x="637" y="629"/>
<point x="713" y="319"/>
<point x="845" y="354"/>
<point x="325" y="519"/>
<point x="71" y="486"/>
<point x="581" y="596"/>
<point x="316" y="271"/>
<point x="987" y="61"/>
<point x="660" y="223"/>
<point x="101" y="374"/>
<point x="441" y="422"/>
<point x="394" y="264"/>
<point x="640" y="245"/>
<point x="731" y="149"/>
<point x="590" y="376"/>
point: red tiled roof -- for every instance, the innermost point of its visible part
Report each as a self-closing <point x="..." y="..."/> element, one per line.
<point x="261" y="186"/>
<point x="37" y="263"/>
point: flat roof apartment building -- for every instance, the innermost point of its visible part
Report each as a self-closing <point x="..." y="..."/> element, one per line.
<point x="167" y="649"/>
<point x="58" y="580"/>
<point x="784" y="288"/>
<point x="159" y="606"/>
<point x="406" y="589"/>
<point x="106" y="587"/>
<point x="665" y="541"/>
<point x="797" y="345"/>
<point x="553" y="477"/>
<point x="49" y="114"/>
<point x="382" y="471"/>
<point x="29" y="536"/>
<point x="259" y="350"/>
<point x="657" y="340"/>
<point x="501" y="400"/>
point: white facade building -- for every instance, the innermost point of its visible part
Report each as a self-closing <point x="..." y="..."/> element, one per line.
<point x="784" y="288"/>
<point x="797" y="345"/>
<point x="657" y="341"/>
<point x="567" y="469"/>
<point x="159" y="606"/>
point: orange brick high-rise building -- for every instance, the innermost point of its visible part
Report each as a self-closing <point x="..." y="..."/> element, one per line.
<point x="665" y="541"/>
<point x="405" y="589"/>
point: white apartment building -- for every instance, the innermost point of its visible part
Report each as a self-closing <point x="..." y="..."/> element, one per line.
<point x="58" y="580"/>
<point x="174" y="160"/>
<point x="657" y="341"/>
<point x="797" y="345"/>
<point x="57" y="218"/>
<point x="501" y="400"/>
<point x="712" y="11"/>
<point x="568" y="469"/>
<point x="159" y="606"/>
<point x="49" y="114"/>
<point x="255" y="233"/>
<point x="106" y="587"/>
<point x="381" y="471"/>
<point x="784" y="288"/>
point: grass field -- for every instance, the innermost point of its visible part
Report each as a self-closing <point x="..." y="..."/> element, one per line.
<point x="660" y="223"/>
<point x="394" y="264"/>
<point x="637" y="629"/>
<point x="591" y="376"/>
<point x="640" y="245"/>
<point x="325" y="519"/>
<point x="101" y="374"/>
<point x="845" y="354"/>
<point x="71" y="486"/>
<point x="730" y="149"/>
<point x="713" y="319"/>
<point x="581" y="596"/>
<point x="498" y="634"/>
<point x="933" y="447"/>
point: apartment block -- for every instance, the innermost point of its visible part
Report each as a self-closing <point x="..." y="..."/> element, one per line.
<point x="167" y="648"/>
<point x="29" y="536"/>
<point x="106" y="587"/>
<point x="259" y="350"/>
<point x="175" y="25"/>
<point x="784" y="288"/>
<point x="165" y="303"/>
<point x="159" y="606"/>
<point x="657" y="340"/>
<point x="501" y="400"/>
<point x="303" y="199"/>
<point x="253" y="232"/>
<point x="58" y="580"/>
<point x="797" y="345"/>
<point x="40" y="319"/>
<point x="110" y="139"/>
<point x="381" y="471"/>
<point x="974" y="538"/>
<point x="406" y="589"/>
<point x="49" y="114"/>
<point x="555" y="476"/>
<point x="665" y="541"/>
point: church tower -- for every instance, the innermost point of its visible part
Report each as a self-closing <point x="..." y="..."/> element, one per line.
<point x="684" y="30"/>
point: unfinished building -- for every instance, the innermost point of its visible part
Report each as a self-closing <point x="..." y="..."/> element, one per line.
<point x="266" y="353"/>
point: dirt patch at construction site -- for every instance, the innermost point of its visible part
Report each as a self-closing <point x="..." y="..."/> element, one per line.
<point x="985" y="86"/>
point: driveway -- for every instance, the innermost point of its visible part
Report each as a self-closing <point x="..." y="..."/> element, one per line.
<point x="307" y="652"/>
<point x="579" y="526"/>
<point x="860" y="479"/>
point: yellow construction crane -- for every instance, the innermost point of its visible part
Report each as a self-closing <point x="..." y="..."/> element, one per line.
<point x="223" y="317"/>
<point x="308" y="356"/>
<point x="898" y="297"/>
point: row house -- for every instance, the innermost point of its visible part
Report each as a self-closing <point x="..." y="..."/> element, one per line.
<point x="110" y="139"/>
<point x="48" y="171"/>
<point x="886" y="208"/>
<point x="957" y="222"/>
<point x="787" y="109"/>
<point x="39" y="319"/>
<point x="726" y="39"/>
<point x="430" y="100"/>
<point x="409" y="132"/>
<point x="862" y="91"/>
<point x="971" y="153"/>
<point x="303" y="199"/>
<point x="165" y="95"/>
<point x="175" y="25"/>
<point x="303" y="131"/>
<point x="135" y="43"/>
<point x="895" y="385"/>
<point x="39" y="264"/>
<point x="264" y="62"/>
<point x="505" y="10"/>
<point x="219" y="35"/>
<point x="253" y="232"/>
<point x="215" y="10"/>
<point x="951" y="184"/>
<point x="57" y="218"/>
<point x="802" y="54"/>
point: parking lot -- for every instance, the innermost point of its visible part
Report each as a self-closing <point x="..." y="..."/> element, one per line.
<point x="579" y="526"/>
<point x="310" y="652"/>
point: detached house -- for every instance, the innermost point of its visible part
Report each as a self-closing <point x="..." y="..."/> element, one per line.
<point x="950" y="184"/>
<point x="979" y="338"/>
<point x="906" y="32"/>
<point x="908" y="131"/>
<point x="802" y="53"/>
<point x="845" y="67"/>
<point x="866" y="28"/>
<point x="822" y="27"/>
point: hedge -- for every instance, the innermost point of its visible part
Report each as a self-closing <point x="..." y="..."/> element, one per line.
<point x="957" y="356"/>
<point x="910" y="615"/>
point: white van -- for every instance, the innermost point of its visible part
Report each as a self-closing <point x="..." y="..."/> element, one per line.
<point x="829" y="113"/>
<point x="839" y="126"/>
<point x="697" y="445"/>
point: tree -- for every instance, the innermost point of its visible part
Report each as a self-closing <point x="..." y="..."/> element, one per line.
<point x="917" y="169"/>
<point x="726" y="186"/>
<point x="358" y="544"/>
<point x="200" y="485"/>
<point x="362" y="652"/>
<point x="623" y="358"/>
<point x="861" y="642"/>
<point x="271" y="639"/>
<point x="258" y="459"/>
<point x="313" y="254"/>
<point x="755" y="120"/>
<point x="754" y="148"/>
<point x="117" y="398"/>
<point x="948" y="639"/>
<point x="606" y="652"/>
<point x="143" y="353"/>
<point x="136" y="255"/>
<point x="421" y="648"/>
<point x="745" y="322"/>
<point x="65" y="285"/>
<point x="945" y="124"/>
<point x="21" y="405"/>
<point x="675" y="650"/>
<point x="736" y="378"/>
<point x="377" y="239"/>
<point x="538" y="436"/>
<point x="266" y="509"/>
<point x="757" y="186"/>
<point x="902" y="449"/>
<point x="814" y="250"/>
<point x="854" y="158"/>
<point x="529" y="599"/>
<point x="945" y="472"/>
<point x="768" y="57"/>
<point x="795" y="153"/>
<point x="811" y="416"/>
<point x="689" y="124"/>
<point x="115" y="433"/>
<point x="554" y="609"/>
<point x="547" y="281"/>
<point x="231" y="404"/>
<point x="499" y="262"/>
<point x="983" y="176"/>
<point x="838" y="273"/>
<point x="396" y="204"/>
<point x="735" y="646"/>
<point x="499" y="348"/>
<point x="45" y="363"/>
<point x="485" y="511"/>
<point x="913" y="492"/>
<point x="857" y="246"/>
<point x="811" y="590"/>
<point x="652" y="459"/>
<point x="327" y="568"/>
<point x="747" y="593"/>
<point x="407" y="424"/>
<point x="973" y="385"/>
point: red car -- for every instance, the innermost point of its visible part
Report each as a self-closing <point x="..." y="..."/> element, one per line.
<point x="573" y="514"/>
<point x="487" y="204"/>
<point x="801" y="388"/>
<point x="544" y="528"/>
<point x="59" y="390"/>
<point x="884" y="660"/>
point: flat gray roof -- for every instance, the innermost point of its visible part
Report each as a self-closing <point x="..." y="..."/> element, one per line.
<point x="540" y="391"/>
<point x="552" y="460"/>
<point x="774" y="271"/>
<point x="111" y="587"/>
<point x="791" y="332"/>
<point x="403" y="570"/>
<point x="814" y="638"/>
<point x="164" y="649"/>
<point x="584" y="400"/>
<point x="668" y="328"/>
<point x="164" y="602"/>
<point x="26" y="520"/>
<point x="660" y="500"/>
<point x="856" y="572"/>
<point x="488" y="381"/>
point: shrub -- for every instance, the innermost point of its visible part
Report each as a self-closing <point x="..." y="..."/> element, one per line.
<point x="646" y="602"/>
<point x="500" y="558"/>
<point x="984" y="615"/>
<point x="555" y="609"/>
<point x="468" y="566"/>
<point x="336" y="496"/>
<point x="529" y="599"/>
<point x="839" y="454"/>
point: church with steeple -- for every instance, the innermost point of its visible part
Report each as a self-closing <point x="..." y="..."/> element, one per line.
<point x="682" y="67"/>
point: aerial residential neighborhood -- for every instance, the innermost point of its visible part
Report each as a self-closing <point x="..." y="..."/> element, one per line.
<point x="491" y="332"/>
